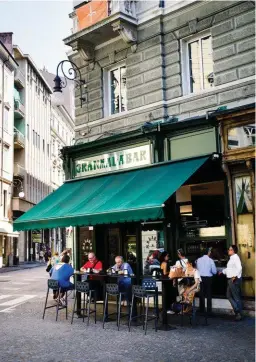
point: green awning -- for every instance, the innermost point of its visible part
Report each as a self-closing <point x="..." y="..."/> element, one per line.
<point x="136" y="195"/>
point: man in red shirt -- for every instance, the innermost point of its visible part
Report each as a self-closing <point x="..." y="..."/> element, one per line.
<point x="92" y="263"/>
<point x="96" y="266"/>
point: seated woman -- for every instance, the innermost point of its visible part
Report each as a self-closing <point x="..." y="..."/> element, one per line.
<point x="189" y="286"/>
<point x="62" y="272"/>
<point x="151" y="262"/>
<point x="164" y="257"/>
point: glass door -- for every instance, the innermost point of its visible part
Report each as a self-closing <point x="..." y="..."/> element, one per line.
<point x="130" y="246"/>
<point x="113" y="245"/>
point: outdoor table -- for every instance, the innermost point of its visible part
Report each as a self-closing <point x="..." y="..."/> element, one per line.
<point x="101" y="277"/>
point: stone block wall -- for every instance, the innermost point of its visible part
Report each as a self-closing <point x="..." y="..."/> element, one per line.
<point x="154" y="71"/>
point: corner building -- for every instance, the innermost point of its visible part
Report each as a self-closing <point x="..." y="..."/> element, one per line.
<point x="159" y="77"/>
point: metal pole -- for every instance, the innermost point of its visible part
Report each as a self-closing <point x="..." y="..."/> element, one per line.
<point x="74" y="254"/>
<point x="2" y="125"/>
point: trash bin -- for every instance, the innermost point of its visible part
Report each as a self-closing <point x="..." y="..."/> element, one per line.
<point x="10" y="260"/>
<point x="15" y="260"/>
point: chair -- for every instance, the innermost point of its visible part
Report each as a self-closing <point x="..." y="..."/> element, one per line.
<point x="192" y="315"/>
<point x="113" y="290"/>
<point x="84" y="288"/>
<point x="147" y="290"/>
<point x="54" y="285"/>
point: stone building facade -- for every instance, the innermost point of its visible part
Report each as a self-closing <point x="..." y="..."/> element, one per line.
<point x="153" y="43"/>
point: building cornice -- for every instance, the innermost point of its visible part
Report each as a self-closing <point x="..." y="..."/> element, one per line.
<point x="7" y="57"/>
<point x="33" y="64"/>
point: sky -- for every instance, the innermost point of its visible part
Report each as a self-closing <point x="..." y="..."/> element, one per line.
<point x="38" y="28"/>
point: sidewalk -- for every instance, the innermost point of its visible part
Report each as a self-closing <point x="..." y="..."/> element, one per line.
<point x="27" y="265"/>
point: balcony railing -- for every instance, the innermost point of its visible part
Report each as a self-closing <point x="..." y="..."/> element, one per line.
<point x="97" y="26"/>
<point x="19" y="139"/>
<point x="19" y="79"/>
<point x="126" y="8"/>
<point x="19" y="109"/>
<point x="19" y="171"/>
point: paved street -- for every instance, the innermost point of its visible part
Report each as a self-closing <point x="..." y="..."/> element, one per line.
<point x="26" y="337"/>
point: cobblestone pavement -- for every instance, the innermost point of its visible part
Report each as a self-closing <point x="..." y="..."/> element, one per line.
<point x="26" y="337"/>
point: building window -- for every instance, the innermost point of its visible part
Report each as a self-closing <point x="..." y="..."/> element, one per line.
<point x="28" y="131"/>
<point x="115" y="90"/>
<point x="5" y="203"/>
<point x="33" y="137"/>
<point x="48" y="149"/>
<point x="43" y="146"/>
<point x="242" y="136"/>
<point x="197" y="64"/>
<point x="38" y="141"/>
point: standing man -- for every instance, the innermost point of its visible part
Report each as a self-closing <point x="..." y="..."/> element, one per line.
<point x="206" y="268"/>
<point x="233" y="273"/>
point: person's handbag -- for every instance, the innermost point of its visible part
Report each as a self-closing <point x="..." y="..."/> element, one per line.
<point x="176" y="273"/>
<point x="48" y="268"/>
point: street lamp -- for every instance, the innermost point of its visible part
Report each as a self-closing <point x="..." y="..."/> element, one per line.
<point x="19" y="185"/>
<point x="73" y="73"/>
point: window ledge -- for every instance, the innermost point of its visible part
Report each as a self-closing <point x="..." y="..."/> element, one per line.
<point x="179" y="100"/>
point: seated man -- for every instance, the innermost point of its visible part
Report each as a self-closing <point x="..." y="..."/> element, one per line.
<point x="124" y="283"/>
<point x="96" y="266"/>
<point x="92" y="263"/>
<point x="62" y="272"/>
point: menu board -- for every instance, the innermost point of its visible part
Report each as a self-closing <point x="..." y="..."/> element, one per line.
<point x="193" y="249"/>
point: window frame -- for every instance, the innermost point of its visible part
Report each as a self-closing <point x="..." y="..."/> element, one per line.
<point x="185" y="66"/>
<point x="107" y="88"/>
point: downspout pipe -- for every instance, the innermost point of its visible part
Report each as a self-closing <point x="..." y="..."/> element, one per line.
<point x="230" y="188"/>
<point x="2" y="126"/>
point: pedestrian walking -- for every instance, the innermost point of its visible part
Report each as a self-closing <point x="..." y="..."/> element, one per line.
<point x="206" y="268"/>
<point x="233" y="273"/>
<point x="41" y="256"/>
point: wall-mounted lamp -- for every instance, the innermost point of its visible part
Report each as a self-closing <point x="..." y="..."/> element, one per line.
<point x="19" y="185"/>
<point x="74" y="74"/>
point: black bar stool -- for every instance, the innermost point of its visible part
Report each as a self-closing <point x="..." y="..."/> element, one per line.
<point x="145" y="292"/>
<point x="84" y="288"/>
<point x="113" y="290"/>
<point x="193" y="313"/>
<point x="54" y="285"/>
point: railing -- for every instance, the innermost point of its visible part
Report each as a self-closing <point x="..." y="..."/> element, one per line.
<point x="19" y="77"/>
<point x="18" y="106"/>
<point x="126" y="7"/>
<point x="19" y="171"/>
<point x="19" y="137"/>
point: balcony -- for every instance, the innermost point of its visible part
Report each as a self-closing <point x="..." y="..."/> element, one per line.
<point x="19" y="79"/>
<point x="19" y="171"/>
<point x="19" y="109"/>
<point x="19" y="139"/>
<point x="94" y="24"/>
